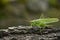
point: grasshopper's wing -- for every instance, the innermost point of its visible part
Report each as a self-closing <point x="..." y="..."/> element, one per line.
<point x="46" y="20"/>
<point x="49" y="20"/>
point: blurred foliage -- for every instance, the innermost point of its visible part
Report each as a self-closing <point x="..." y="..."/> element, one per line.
<point x="2" y="15"/>
<point x="22" y="1"/>
<point x="5" y="1"/>
<point x="54" y="3"/>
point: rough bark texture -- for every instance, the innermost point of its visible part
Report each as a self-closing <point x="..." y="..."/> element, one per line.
<point x="29" y="33"/>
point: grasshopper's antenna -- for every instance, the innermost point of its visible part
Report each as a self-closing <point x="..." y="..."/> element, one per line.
<point x="42" y="16"/>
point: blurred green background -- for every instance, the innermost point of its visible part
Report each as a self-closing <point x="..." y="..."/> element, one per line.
<point x="10" y="12"/>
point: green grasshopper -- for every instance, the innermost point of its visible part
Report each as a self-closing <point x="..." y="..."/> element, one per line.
<point x="43" y="21"/>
